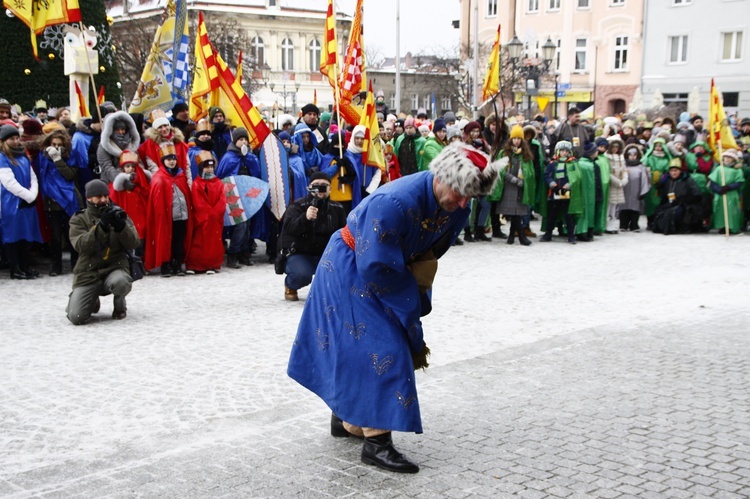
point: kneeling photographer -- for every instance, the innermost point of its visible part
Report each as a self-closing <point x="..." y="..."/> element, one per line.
<point x="307" y="225"/>
<point x="102" y="234"/>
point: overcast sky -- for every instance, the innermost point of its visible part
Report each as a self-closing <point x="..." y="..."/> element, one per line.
<point x="425" y="24"/>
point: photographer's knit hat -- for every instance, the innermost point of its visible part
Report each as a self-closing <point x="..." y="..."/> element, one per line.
<point x="96" y="188"/>
<point x="467" y="170"/>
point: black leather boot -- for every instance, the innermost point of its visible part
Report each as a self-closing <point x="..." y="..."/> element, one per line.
<point x="379" y="451"/>
<point x="338" y="430"/>
<point x="522" y="238"/>
<point x="17" y="273"/>
<point x="513" y="231"/>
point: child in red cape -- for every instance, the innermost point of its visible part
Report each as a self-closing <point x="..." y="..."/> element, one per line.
<point x="169" y="230"/>
<point x="130" y="191"/>
<point x="209" y="205"/>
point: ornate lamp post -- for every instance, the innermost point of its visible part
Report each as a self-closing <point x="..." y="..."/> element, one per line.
<point x="531" y="71"/>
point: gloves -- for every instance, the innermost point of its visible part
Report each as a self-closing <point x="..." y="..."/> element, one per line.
<point x="724" y="189"/>
<point x="350" y="175"/>
<point x="53" y="153"/>
<point x="566" y="187"/>
<point x="119" y="223"/>
<point x="734" y="186"/>
<point x="129" y="184"/>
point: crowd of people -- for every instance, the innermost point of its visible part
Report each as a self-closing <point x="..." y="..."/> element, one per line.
<point x="584" y="178"/>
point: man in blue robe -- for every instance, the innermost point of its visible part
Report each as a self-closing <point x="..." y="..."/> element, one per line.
<point x="360" y="336"/>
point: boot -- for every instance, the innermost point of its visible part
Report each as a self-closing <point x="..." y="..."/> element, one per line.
<point x="337" y="428"/>
<point x="290" y="294"/>
<point x="571" y="228"/>
<point x="379" y="451"/>
<point x="528" y="232"/>
<point x="479" y="235"/>
<point x="467" y="236"/>
<point x="513" y="231"/>
<point x="547" y="237"/>
<point x="233" y="261"/>
<point x="17" y="273"/>
<point x="245" y="259"/>
<point x="522" y="237"/>
<point x="497" y="228"/>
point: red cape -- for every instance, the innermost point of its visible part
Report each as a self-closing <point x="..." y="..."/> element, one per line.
<point x="152" y="150"/>
<point x="159" y="222"/>
<point x="209" y="206"/>
<point x="135" y="202"/>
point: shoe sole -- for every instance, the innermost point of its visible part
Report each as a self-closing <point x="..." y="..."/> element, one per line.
<point x="367" y="460"/>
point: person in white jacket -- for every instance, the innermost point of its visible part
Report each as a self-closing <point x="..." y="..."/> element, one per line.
<point x="618" y="179"/>
<point x="18" y="194"/>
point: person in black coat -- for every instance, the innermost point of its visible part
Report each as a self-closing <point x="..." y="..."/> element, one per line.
<point x="679" y="211"/>
<point x="307" y="225"/>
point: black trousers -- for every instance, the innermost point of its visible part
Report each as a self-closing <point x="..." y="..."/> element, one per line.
<point x="59" y="225"/>
<point x="19" y="254"/>
<point x="556" y="208"/>
<point x="179" y="231"/>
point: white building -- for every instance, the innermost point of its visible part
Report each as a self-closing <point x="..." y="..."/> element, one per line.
<point x="688" y="42"/>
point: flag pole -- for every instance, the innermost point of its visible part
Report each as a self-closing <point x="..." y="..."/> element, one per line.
<point x="721" y="166"/>
<point x="91" y="73"/>
<point x="337" y="98"/>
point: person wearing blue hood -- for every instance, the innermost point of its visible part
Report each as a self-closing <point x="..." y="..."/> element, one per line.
<point x="240" y="160"/>
<point x="220" y="131"/>
<point x="297" y="177"/>
<point x="308" y="148"/>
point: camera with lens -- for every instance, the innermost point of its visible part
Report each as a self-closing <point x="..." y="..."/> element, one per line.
<point x="317" y="188"/>
<point x="119" y="213"/>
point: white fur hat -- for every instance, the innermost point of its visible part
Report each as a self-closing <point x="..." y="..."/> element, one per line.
<point x="467" y="170"/>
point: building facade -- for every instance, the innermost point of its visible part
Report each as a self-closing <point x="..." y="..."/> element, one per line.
<point x="599" y="45"/>
<point x="287" y="39"/>
<point x="688" y="42"/>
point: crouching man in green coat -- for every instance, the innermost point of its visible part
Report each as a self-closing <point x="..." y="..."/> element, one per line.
<point x="101" y="234"/>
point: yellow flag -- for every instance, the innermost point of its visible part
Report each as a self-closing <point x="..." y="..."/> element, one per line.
<point x="372" y="149"/>
<point x="492" y="78"/>
<point x="329" y="54"/>
<point x="153" y="90"/>
<point x="720" y="136"/>
<point x="38" y="15"/>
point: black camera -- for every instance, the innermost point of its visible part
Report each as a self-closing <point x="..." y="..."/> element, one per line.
<point x="119" y="213"/>
<point x="317" y="188"/>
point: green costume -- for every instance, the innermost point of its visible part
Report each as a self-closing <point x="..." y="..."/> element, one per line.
<point x="600" y="211"/>
<point x="658" y="165"/>
<point x="587" y="219"/>
<point x="431" y="149"/>
<point x="734" y="206"/>
<point x="529" y="181"/>
<point x="576" y="195"/>
<point x="419" y="143"/>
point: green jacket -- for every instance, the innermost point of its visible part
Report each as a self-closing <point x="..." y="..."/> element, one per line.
<point x="529" y="182"/>
<point x="99" y="252"/>
<point x="431" y="149"/>
<point x="419" y="143"/>
<point x="586" y="220"/>
<point x="734" y="198"/>
<point x="658" y="166"/>
<point x="600" y="223"/>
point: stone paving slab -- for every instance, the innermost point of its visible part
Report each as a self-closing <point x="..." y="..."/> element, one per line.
<point x="613" y="411"/>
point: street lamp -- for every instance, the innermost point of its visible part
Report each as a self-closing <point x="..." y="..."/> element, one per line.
<point x="284" y="93"/>
<point x="531" y="72"/>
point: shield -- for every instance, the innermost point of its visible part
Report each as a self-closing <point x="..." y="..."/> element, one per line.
<point x="245" y="197"/>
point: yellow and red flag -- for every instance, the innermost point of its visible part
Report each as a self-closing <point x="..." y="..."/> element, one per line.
<point x="239" y="68"/>
<point x="37" y="15"/>
<point x="720" y="136"/>
<point x="353" y="74"/>
<point x="329" y="54"/>
<point x="100" y="98"/>
<point x="372" y="149"/>
<point x="82" y="109"/>
<point x="315" y="97"/>
<point x="215" y="85"/>
<point x="492" y="78"/>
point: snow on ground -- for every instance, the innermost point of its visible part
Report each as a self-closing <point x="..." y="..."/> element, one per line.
<point x="200" y="352"/>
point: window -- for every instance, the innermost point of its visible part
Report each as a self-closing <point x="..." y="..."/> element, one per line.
<point x="621" y="53"/>
<point x="678" y="49"/>
<point x="557" y="56"/>
<point x="681" y="2"/>
<point x="616" y="3"/>
<point x="730" y="99"/>
<point x="491" y="8"/>
<point x="287" y="55"/>
<point x="580" y="63"/>
<point x="554" y="5"/>
<point x="314" y="55"/>
<point x="731" y="46"/>
<point x="415" y="102"/>
<point x="533" y="6"/>
<point x="445" y="103"/>
<point x="393" y="102"/>
<point x="583" y="4"/>
<point x="427" y="103"/>
<point x="257" y="50"/>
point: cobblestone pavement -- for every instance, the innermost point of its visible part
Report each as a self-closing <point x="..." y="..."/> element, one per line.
<point x="646" y="406"/>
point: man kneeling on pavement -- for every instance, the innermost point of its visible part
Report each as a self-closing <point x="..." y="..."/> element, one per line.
<point x="307" y="225"/>
<point x="101" y="234"/>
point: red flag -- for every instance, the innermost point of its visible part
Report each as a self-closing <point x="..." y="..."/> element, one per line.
<point x="81" y="102"/>
<point x="100" y="98"/>
<point x="353" y="76"/>
<point x="329" y="54"/>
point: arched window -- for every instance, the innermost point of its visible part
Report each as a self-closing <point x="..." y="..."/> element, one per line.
<point x="258" y="50"/>
<point x="314" y="55"/>
<point x="287" y="55"/>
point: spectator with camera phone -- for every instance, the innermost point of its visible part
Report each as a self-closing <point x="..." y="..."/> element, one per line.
<point x="101" y="234"/>
<point x="308" y="224"/>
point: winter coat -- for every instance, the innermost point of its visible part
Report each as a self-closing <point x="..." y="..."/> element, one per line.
<point x="99" y="252"/>
<point x="410" y="156"/>
<point x="57" y="184"/>
<point x="108" y="153"/>
<point x="528" y="178"/>
<point x="84" y="145"/>
<point x="587" y="219"/>
<point x="431" y="149"/>
<point x="150" y="155"/>
<point x="18" y="194"/>
<point x="618" y="178"/>
<point x="310" y="237"/>
<point x="134" y="201"/>
<point x="734" y="179"/>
